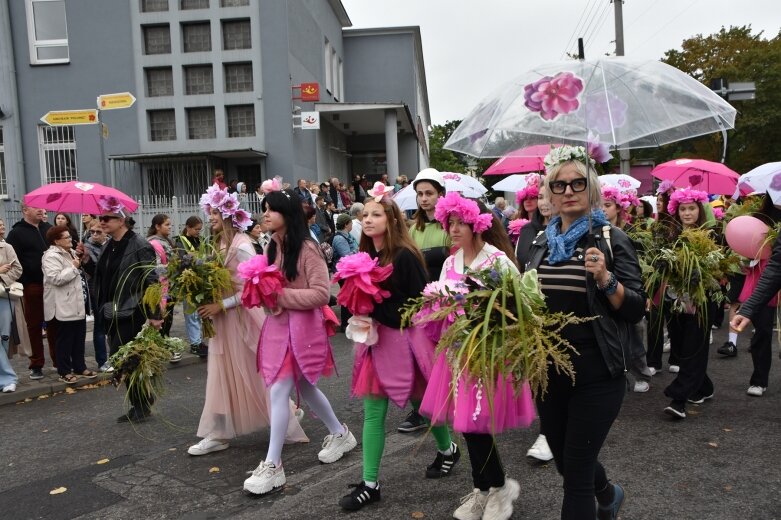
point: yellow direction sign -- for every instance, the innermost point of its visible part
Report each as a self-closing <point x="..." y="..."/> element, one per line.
<point x="119" y="100"/>
<point x="71" y="117"/>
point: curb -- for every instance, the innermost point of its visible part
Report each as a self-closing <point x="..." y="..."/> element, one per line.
<point x="49" y="388"/>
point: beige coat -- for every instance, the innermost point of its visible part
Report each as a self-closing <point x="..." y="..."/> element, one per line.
<point x="8" y="256"/>
<point x="63" y="297"/>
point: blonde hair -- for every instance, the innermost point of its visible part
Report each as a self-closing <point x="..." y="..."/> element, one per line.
<point x="594" y="189"/>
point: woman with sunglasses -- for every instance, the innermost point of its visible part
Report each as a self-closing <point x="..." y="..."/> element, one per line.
<point x="592" y="273"/>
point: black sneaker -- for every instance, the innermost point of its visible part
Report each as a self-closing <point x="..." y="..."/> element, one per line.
<point x="36" y="373"/>
<point x="699" y="398"/>
<point x="443" y="464"/>
<point x="360" y="496"/>
<point x="203" y="350"/>
<point x="677" y="409"/>
<point x="134" y="415"/>
<point x="194" y="348"/>
<point x="728" y="349"/>
<point x="412" y="423"/>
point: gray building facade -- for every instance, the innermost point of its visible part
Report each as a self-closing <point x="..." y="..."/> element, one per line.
<point x="214" y="86"/>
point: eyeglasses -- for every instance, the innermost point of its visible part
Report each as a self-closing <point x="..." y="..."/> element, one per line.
<point x="67" y="237"/>
<point x="96" y="232"/>
<point x="577" y="185"/>
<point x="106" y="218"/>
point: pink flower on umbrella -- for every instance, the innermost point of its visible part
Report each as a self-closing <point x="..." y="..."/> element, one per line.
<point x="605" y="112"/>
<point x="598" y="151"/>
<point x="775" y="184"/>
<point x="553" y="96"/>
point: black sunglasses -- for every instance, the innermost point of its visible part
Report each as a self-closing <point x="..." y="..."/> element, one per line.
<point x="106" y="218"/>
<point x="577" y="185"/>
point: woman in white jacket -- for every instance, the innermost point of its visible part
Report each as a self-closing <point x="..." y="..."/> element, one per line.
<point x="63" y="302"/>
<point x="10" y="271"/>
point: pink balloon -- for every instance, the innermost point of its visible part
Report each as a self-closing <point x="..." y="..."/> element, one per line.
<point x="745" y="236"/>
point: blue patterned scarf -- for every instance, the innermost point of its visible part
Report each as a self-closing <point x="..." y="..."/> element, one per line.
<point x="561" y="246"/>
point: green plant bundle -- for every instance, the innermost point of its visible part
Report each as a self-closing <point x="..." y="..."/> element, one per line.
<point x="500" y="326"/>
<point x="141" y="363"/>
<point x="749" y="206"/>
<point x="196" y="278"/>
<point x="693" y="269"/>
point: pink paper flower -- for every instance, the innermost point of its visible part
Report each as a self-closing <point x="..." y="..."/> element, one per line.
<point x="718" y="213"/>
<point x="437" y="294"/>
<point x="531" y="191"/>
<point x="242" y="219"/>
<point x="262" y="282"/>
<point x="362" y="275"/>
<point x="467" y="210"/>
<point x="270" y="185"/>
<point x="665" y="187"/>
<point x="685" y="196"/>
<point x="514" y="228"/>
<point x="380" y="191"/>
<point x="604" y="113"/>
<point x="110" y="204"/>
<point x="553" y="96"/>
<point x="600" y="152"/>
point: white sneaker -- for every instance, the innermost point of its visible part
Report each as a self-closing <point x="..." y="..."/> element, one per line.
<point x="499" y="505"/>
<point x="652" y="371"/>
<point x="207" y="446"/>
<point x="756" y="391"/>
<point x="107" y="368"/>
<point x="335" y="446"/>
<point x="540" y="450"/>
<point x="265" y="478"/>
<point x="674" y="369"/>
<point x="472" y="506"/>
<point x="7" y="389"/>
<point x="641" y="386"/>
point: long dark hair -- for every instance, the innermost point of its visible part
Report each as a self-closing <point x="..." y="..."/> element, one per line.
<point x="677" y="219"/>
<point x="496" y="235"/>
<point x="287" y="204"/>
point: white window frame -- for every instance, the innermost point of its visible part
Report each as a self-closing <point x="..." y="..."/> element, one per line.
<point x="60" y="146"/>
<point x="328" y="69"/>
<point x="37" y="44"/>
<point x="339" y="81"/>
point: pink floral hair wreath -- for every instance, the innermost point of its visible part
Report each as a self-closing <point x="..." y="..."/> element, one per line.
<point x="531" y="191"/>
<point x="467" y="210"/>
<point x="685" y="196"/>
<point x="227" y="204"/>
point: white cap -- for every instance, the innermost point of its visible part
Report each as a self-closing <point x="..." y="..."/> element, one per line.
<point x="429" y="174"/>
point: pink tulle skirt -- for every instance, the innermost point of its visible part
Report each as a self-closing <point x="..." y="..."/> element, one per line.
<point x="469" y="408"/>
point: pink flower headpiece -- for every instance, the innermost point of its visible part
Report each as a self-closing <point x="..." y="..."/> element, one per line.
<point x="531" y="191"/>
<point x="270" y="185"/>
<point x="227" y="204"/>
<point x="685" y="196"/>
<point x="615" y="195"/>
<point x="380" y="191"/>
<point x="665" y="187"/>
<point x="514" y="227"/>
<point x="467" y="210"/>
<point x="111" y="205"/>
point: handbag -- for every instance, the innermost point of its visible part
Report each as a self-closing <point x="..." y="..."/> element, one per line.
<point x="15" y="291"/>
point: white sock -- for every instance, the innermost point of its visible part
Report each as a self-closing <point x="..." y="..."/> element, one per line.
<point x="279" y="395"/>
<point x="371" y="484"/>
<point x="733" y="337"/>
<point x="320" y="405"/>
<point x="448" y="452"/>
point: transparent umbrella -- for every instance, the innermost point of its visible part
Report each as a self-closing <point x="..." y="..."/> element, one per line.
<point x="621" y="102"/>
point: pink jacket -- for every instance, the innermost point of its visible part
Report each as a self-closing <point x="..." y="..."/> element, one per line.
<point x="299" y="326"/>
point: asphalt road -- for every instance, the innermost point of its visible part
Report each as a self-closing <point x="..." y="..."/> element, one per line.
<point x="722" y="462"/>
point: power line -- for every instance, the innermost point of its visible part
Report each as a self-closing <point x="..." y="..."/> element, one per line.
<point x="595" y="22"/>
<point x="664" y="25"/>
<point x="583" y="17"/>
<point x="601" y="23"/>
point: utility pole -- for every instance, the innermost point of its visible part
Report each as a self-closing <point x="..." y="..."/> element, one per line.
<point x="619" y="19"/>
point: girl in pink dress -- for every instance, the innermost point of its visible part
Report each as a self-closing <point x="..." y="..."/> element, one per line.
<point x="482" y="243"/>
<point x="236" y="402"/>
<point x="294" y="349"/>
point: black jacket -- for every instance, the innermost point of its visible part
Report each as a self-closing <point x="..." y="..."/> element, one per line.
<point x="523" y="248"/>
<point x="767" y="286"/>
<point x="29" y="242"/>
<point x="613" y="327"/>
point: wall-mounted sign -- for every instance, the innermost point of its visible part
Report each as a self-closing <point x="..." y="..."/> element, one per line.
<point x="310" y="92"/>
<point x="310" y="120"/>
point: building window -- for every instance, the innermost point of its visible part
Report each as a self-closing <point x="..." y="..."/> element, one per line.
<point x="200" y="123"/>
<point x="241" y="120"/>
<point x="197" y="37"/>
<point x="238" y="77"/>
<point x="47" y="31"/>
<point x="327" y="64"/>
<point x="3" y="181"/>
<point x="194" y="4"/>
<point x="340" y="78"/>
<point x="159" y="81"/>
<point x="236" y="35"/>
<point x="57" y="149"/>
<point x="157" y="39"/>
<point x="233" y="3"/>
<point x="154" y="6"/>
<point x="162" y="125"/>
<point x="198" y="79"/>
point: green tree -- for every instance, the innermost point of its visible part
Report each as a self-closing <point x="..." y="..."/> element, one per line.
<point x="737" y="55"/>
<point x="441" y="159"/>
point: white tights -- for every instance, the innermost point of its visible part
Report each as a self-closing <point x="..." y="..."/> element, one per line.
<point x="280" y="413"/>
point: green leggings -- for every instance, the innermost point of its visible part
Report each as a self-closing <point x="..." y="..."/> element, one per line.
<point x="375" y="409"/>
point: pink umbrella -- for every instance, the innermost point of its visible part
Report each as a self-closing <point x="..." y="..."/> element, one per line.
<point x="522" y="160"/>
<point x="708" y="176"/>
<point x="79" y="197"/>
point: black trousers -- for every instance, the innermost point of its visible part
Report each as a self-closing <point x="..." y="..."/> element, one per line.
<point x="120" y="331"/>
<point x="691" y="336"/>
<point x="657" y="320"/>
<point x="487" y="469"/>
<point x="761" y="341"/>
<point x="70" y="346"/>
<point x="576" y="420"/>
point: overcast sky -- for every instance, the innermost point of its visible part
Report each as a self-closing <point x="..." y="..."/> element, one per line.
<point x="472" y="46"/>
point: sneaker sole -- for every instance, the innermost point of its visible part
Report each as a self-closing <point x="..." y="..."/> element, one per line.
<point x="348" y="446"/>
<point x="675" y="413"/>
<point x="514" y="493"/>
<point x="276" y="485"/>
<point x="537" y="460"/>
<point x="412" y="429"/>
<point x="198" y="453"/>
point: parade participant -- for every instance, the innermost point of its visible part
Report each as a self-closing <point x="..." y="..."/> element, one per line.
<point x="10" y="271"/>
<point x="434" y="244"/>
<point x="189" y="240"/>
<point x="528" y="198"/>
<point x="689" y="331"/>
<point x="482" y="242"/>
<point x="159" y="236"/>
<point x="601" y="281"/>
<point x="294" y="350"/>
<point x="398" y="365"/>
<point x="236" y="402"/>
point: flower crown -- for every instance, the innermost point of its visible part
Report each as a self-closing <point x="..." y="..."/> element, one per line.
<point x="614" y="194"/>
<point x="567" y="153"/>
<point x="685" y="196"/>
<point x="467" y="210"/>
<point x="270" y="185"/>
<point x="514" y="227"/>
<point x="227" y="204"/>
<point x="531" y="191"/>
<point x="111" y="204"/>
<point x="665" y="187"/>
<point x="380" y="191"/>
